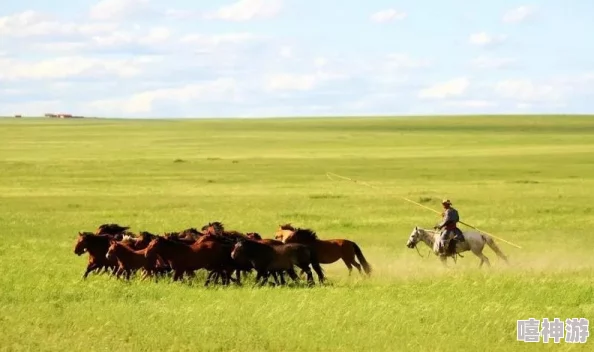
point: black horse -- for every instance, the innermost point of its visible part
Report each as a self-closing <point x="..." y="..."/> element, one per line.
<point x="267" y="259"/>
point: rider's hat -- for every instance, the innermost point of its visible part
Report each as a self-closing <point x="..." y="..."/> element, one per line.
<point x="446" y="201"/>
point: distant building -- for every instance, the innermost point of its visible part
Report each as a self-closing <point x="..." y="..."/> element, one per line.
<point x="62" y="116"/>
<point x="18" y="116"/>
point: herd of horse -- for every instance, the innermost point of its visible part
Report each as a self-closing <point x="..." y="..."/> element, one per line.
<point x="115" y="250"/>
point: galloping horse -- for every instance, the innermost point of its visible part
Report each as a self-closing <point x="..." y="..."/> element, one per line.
<point x="96" y="246"/>
<point x="328" y="251"/>
<point x="274" y="258"/>
<point x="473" y="241"/>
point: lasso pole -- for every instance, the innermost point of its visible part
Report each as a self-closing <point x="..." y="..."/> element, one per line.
<point x="330" y="174"/>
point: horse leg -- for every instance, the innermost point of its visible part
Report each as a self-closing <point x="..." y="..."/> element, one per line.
<point x="293" y="275"/>
<point x="307" y="270"/>
<point x="318" y="269"/>
<point x="178" y="274"/>
<point x="105" y="269"/>
<point x="275" y="277"/>
<point x="479" y="253"/>
<point x="90" y="268"/>
<point x="209" y="278"/>
<point x="282" y="277"/>
<point x="443" y="259"/>
<point x="484" y="259"/>
<point x="358" y="266"/>
<point x="265" y="280"/>
<point x="349" y="266"/>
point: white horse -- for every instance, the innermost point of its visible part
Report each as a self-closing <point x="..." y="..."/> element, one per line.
<point x="473" y="241"/>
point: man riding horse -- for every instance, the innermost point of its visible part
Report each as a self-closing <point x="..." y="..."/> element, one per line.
<point x="449" y="228"/>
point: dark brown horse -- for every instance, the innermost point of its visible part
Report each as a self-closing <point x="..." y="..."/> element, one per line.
<point x="140" y="242"/>
<point x="256" y="237"/>
<point x="177" y="236"/>
<point x="268" y="258"/>
<point x="184" y="258"/>
<point x="275" y="274"/>
<point x="190" y="233"/>
<point x="113" y="229"/>
<point x="228" y="242"/>
<point x="96" y="246"/>
<point x="130" y="260"/>
<point x="328" y="251"/>
<point x="217" y="228"/>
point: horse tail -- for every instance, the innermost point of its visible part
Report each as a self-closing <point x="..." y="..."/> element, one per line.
<point x="489" y="241"/>
<point x="361" y="258"/>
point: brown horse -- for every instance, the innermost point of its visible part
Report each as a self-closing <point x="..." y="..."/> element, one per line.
<point x="217" y="228"/>
<point x="256" y="237"/>
<point x="267" y="259"/>
<point x="96" y="246"/>
<point x="184" y="258"/>
<point x="328" y="251"/>
<point x="113" y="230"/>
<point x="177" y="236"/>
<point x="130" y="260"/>
<point x="190" y="233"/>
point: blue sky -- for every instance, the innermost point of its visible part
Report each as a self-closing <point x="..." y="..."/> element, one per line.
<point x="250" y="58"/>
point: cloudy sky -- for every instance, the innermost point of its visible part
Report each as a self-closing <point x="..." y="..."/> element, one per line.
<point x="151" y="58"/>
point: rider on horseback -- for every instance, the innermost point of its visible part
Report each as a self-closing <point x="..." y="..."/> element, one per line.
<point x="448" y="227"/>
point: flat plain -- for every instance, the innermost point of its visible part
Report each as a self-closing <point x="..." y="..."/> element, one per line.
<point x="525" y="179"/>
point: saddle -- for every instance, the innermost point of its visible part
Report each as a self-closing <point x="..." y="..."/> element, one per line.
<point x="453" y="238"/>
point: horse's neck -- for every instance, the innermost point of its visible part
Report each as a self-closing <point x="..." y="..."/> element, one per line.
<point x="428" y="238"/>
<point x="121" y="250"/>
<point x="97" y="246"/>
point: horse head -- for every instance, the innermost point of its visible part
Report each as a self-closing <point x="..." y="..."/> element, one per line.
<point x="111" y="249"/>
<point x="254" y="235"/>
<point x="414" y="238"/>
<point x="283" y="232"/>
<point x="238" y="249"/>
<point x="81" y="244"/>
<point x="154" y="246"/>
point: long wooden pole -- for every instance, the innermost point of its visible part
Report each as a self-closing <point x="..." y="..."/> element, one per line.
<point x="330" y="174"/>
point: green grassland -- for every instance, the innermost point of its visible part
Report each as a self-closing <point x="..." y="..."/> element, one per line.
<point x="528" y="180"/>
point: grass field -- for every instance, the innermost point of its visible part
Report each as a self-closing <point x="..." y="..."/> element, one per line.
<point x="528" y="180"/>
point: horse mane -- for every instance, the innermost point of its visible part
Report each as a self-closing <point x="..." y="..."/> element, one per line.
<point x="191" y="232"/>
<point x="93" y="238"/>
<point x="303" y="235"/>
<point x="128" y="238"/>
<point x="288" y="226"/>
<point x="111" y="229"/>
<point x="254" y="235"/>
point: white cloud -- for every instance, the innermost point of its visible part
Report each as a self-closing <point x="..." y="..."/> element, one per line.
<point x="69" y="67"/>
<point x="218" y="39"/>
<point x="320" y="62"/>
<point x="245" y="10"/>
<point x="219" y="90"/>
<point x="405" y="61"/>
<point x="518" y="14"/>
<point x="119" y="9"/>
<point x="485" y="62"/>
<point x="471" y="103"/>
<point x="526" y="90"/>
<point x="33" y="108"/>
<point x="299" y="82"/>
<point x="36" y="24"/>
<point x="485" y="39"/>
<point x="286" y="52"/>
<point x="454" y="87"/>
<point x="388" y="15"/>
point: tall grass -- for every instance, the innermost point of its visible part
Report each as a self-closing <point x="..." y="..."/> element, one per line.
<point x="526" y="179"/>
